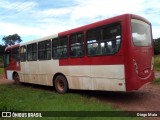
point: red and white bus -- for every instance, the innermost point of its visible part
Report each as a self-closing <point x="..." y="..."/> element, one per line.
<point x="114" y="54"/>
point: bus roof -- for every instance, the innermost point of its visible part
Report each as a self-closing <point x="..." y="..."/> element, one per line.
<point x="39" y="39"/>
<point x="102" y="22"/>
<point x="11" y="47"/>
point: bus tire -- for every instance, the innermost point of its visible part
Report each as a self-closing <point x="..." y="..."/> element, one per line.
<point x="61" y="84"/>
<point x="16" y="78"/>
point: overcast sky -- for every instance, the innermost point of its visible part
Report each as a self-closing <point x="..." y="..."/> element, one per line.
<point x="38" y="18"/>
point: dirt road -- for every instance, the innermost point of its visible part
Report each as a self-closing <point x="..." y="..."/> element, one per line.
<point x="5" y="81"/>
<point x="157" y="74"/>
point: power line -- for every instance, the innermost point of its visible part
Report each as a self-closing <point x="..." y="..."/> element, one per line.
<point x="12" y="7"/>
<point x="2" y="17"/>
<point x="23" y="9"/>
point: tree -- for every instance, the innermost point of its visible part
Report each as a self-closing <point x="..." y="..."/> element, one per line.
<point x="2" y="49"/>
<point x="157" y="46"/>
<point x="11" y="39"/>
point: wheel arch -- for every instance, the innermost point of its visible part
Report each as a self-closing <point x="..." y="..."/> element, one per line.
<point x="14" y="74"/>
<point x="57" y="74"/>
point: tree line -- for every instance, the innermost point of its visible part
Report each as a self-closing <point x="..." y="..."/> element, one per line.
<point x="15" y="39"/>
<point x="157" y="46"/>
<point x="8" y="41"/>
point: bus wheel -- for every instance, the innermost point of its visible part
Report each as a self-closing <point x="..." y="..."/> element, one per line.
<point x="16" y="78"/>
<point x="61" y="84"/>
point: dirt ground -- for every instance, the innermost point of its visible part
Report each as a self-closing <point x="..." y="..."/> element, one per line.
<point x="145" y="99"/>
<point x="5" y="81"/>
<point x="157" y="74"/>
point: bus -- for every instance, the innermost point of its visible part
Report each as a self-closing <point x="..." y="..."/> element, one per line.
<point x="115" y="54"/>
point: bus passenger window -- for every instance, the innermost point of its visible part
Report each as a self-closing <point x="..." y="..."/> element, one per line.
<point x="103" y="41"/>
<point x="44" y="50"/>
<point x="32" y="52"/>
<point x="93" y="38"/>
<point x="60" y="47"/>
<point x="112" y="36"/>
<point x="77" y="45"/>
<point x="23" y="53"/>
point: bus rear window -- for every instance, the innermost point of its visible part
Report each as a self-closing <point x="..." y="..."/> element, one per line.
<point x="141" y="33"/>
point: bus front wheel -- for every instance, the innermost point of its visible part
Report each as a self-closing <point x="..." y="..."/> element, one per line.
<point x="61" y="84"/>
<point x="16" y="78"/>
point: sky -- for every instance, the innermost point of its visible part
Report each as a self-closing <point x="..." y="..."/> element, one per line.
<point x="32" y="19"/>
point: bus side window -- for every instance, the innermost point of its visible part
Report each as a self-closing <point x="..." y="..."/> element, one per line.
<point x="112" y="36"/>
<point x="77" y="45"/>
<point x="93" y="38"/>
<point x="32" y="52"/>
<point x="23" y="53"/>
<point x="60" y="47"/>
<point x="44" y="50"/>
<point x="104" y="41"/>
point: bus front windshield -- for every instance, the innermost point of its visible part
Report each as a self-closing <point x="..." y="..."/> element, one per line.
<point x="141" y="33"/>
<point x="7" y="59"/>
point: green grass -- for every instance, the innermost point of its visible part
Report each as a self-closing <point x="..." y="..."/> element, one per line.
<point x="157" y="81"/>
<point x="157" y="63"/>
<point x="18" y="98"/>
<point x="1" y="70"/>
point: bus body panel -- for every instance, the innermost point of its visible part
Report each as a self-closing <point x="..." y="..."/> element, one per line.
<point x="39" y="72"/>
<point x="9" y="74"/>
<point x="84" y="77"/>
<point x="96" y="77"/>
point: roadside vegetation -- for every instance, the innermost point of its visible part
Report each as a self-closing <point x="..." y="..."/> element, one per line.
<point x="1" y="70"/>
<point x="157" y="68"/>
<point x="20" y="98"/>
<point x="1" y="66"/>
<point x="157" y="63"/>
<point x="157" y="81"/>
<point x="1" y="61"/>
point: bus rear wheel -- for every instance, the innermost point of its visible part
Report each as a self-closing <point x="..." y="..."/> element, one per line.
<point x="61" y="84"/>
<point x="16" y="78"/>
